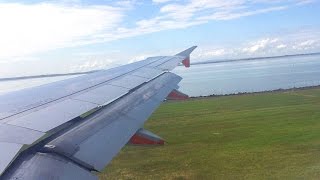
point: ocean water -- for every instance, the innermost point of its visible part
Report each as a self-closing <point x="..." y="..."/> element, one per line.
<point x="250" y="76"/>
<point x="227" y="77"/>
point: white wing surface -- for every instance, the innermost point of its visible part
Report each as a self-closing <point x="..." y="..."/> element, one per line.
<point x="72" y="128"/>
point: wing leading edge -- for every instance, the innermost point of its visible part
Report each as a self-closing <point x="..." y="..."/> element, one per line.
<point x="80" y="126"/>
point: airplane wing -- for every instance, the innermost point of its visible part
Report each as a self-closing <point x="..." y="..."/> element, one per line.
<point x="72" y="128"/>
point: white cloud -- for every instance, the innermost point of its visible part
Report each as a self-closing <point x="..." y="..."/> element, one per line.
<point x="92" y="65"/>
<point x="210" y="53"/>
<point x="183" y="14"/>
<point x="300" y="42"/>
<point x="228" y="15"/>
<point x="303" y="2"/>
<point x="217" y="9"/>
<point x="280" y="46"/>
<point x="32" y="28"/>
<point x="259" y="45"/>
<point x="290" y="43"/>
<point x="307" y="43"/>
<point x="161" y="1"/>
<point x="27" y="29"/>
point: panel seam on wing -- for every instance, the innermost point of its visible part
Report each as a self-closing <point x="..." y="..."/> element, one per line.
<point x="91" y="87"/>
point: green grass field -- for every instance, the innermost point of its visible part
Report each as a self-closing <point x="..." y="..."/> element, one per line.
<point x="273" y="135"/>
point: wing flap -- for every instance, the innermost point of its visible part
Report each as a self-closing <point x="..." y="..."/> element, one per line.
<point x="149" y="73"/>
<point x="97" y="141"/>
<point x="161" y="61"/>
<point x="26" y="99"/>
<point x="7" y="153"/>
<point x="102" y="95"/>
<point x="19" y="135"/>
<point x="99" y="149"/>
<point x="128" y="81"/>
<point x="50" y="117"/>
<point x="169" y="65"/>
<point x="41" y="166"/>
<point x="144" y="137"/>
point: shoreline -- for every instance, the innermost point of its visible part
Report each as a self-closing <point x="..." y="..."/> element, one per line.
<point x="253" y="58"/>
<point x="257" y="92"/>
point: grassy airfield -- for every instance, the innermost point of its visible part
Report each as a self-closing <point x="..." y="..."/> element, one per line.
<point x="273" y="135"/>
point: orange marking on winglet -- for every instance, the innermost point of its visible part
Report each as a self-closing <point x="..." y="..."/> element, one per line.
<point x="186" y="62"/>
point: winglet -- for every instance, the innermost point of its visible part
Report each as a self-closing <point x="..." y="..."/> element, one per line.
<point x="186" y="53"/>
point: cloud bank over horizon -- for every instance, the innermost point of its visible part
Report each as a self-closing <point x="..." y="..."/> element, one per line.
<point x="34" y="31"/>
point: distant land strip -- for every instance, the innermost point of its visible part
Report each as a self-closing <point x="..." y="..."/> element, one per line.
<point x="258" y="92"/>
<point x="45" y="76"/>
<point x="253" y="58"/>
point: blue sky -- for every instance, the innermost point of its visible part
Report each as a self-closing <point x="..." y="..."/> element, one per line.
<point x="76" y="35"/>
